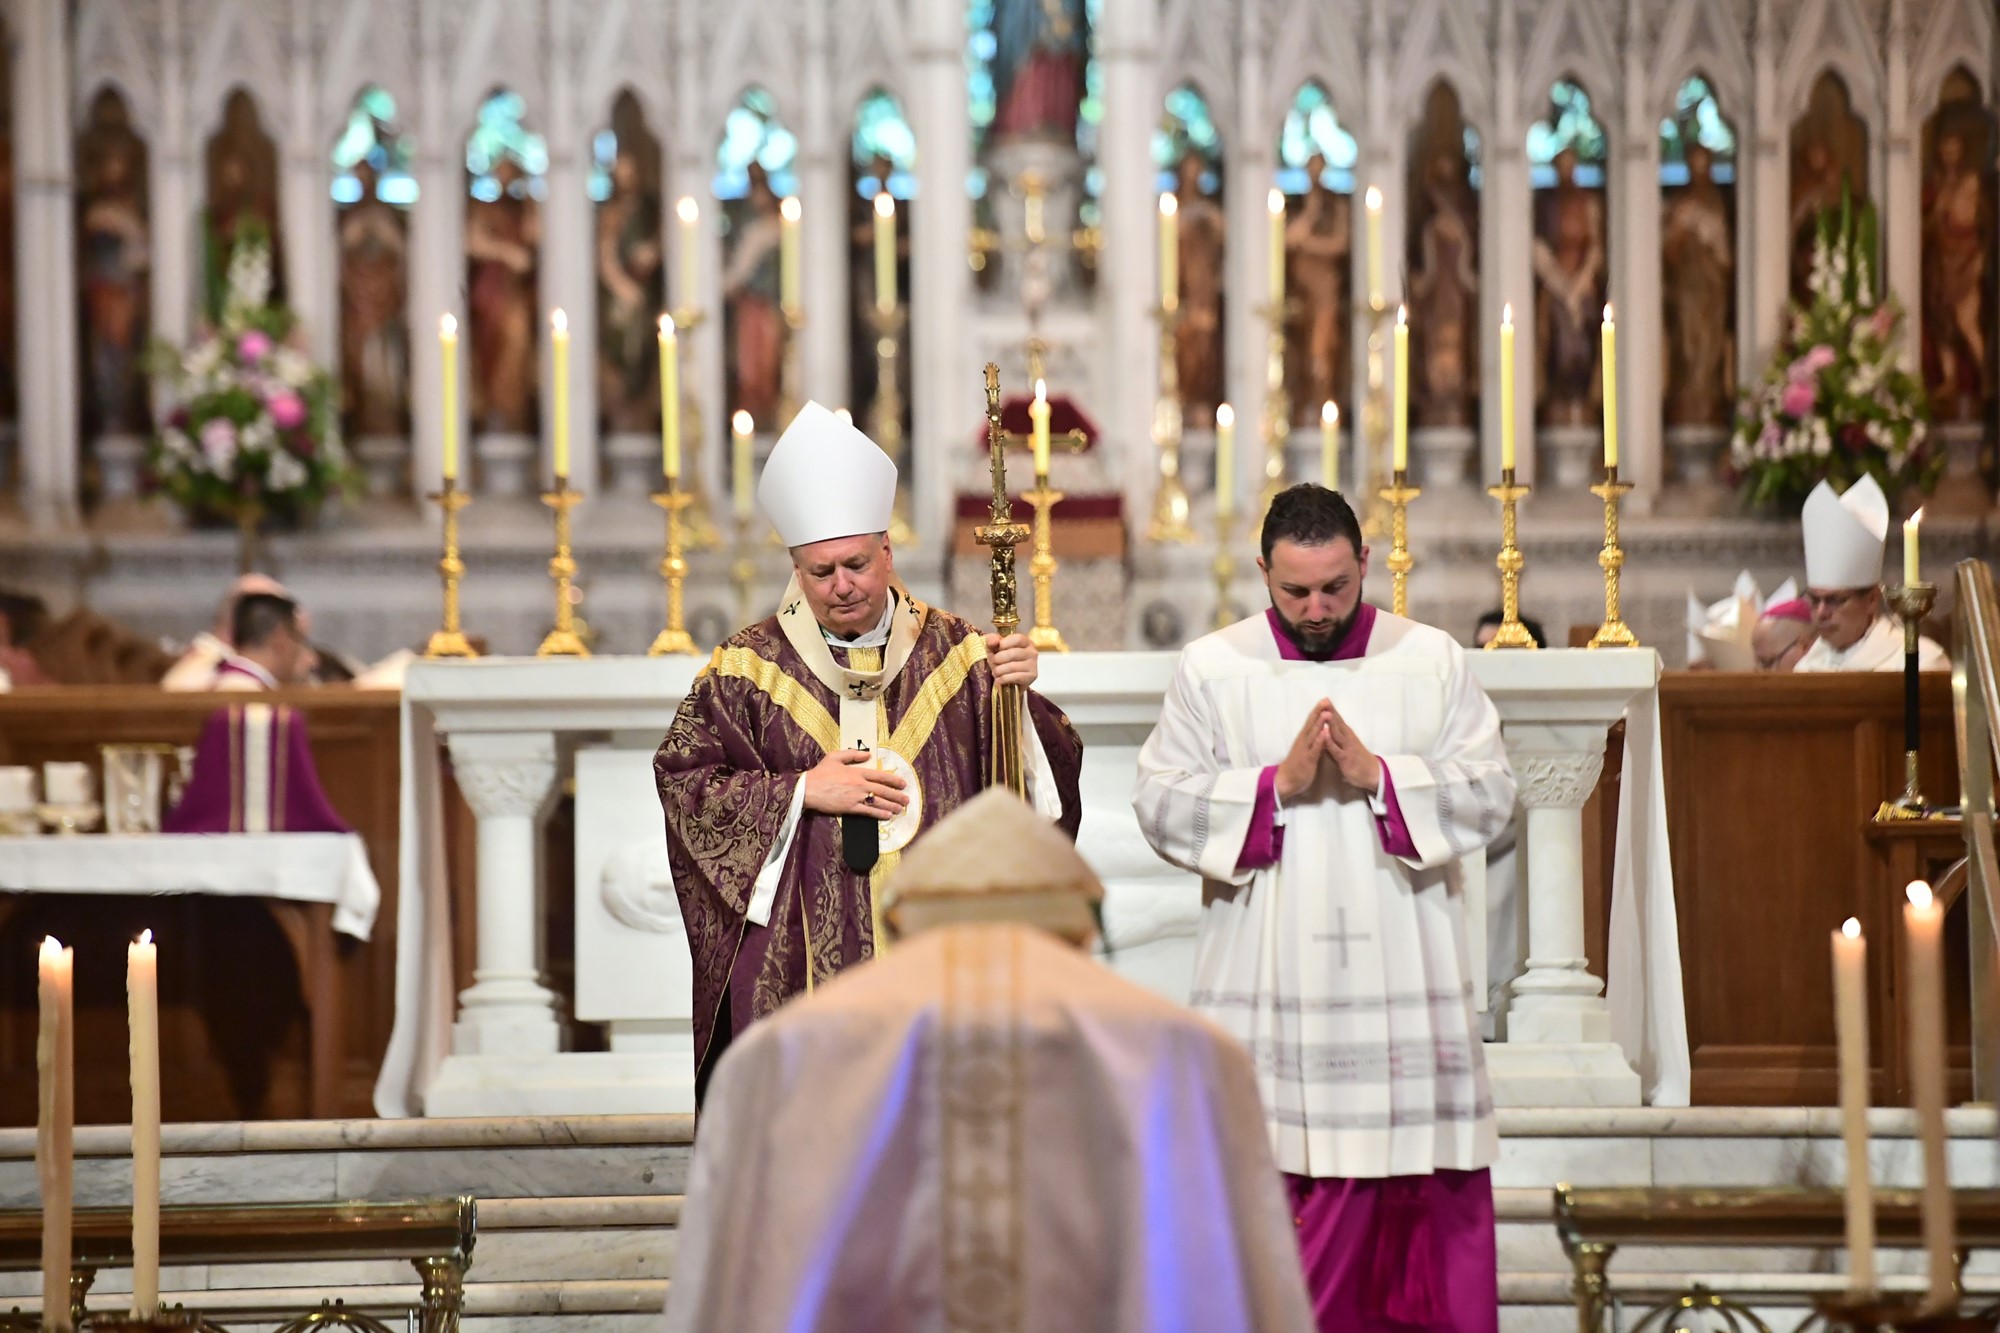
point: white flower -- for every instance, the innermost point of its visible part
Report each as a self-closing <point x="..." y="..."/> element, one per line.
<point x="249" y="277"/>
<point x="290" y="367"/>
<point x="287" y="473"/>
<point x="260" y="435"/>
<point x="219" y="444"/>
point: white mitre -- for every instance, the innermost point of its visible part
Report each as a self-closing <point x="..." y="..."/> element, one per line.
<point x="1844" y="535"/>
<point x="825" y="479"/>
<point x="994" y="859"/>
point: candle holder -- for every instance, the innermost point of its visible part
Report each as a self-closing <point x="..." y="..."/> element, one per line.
<point x="1911" y="602"/>
<point x="702" y="532"/>
<point x="1512" y="633"/>
<point x="563" y="640"/>
<point x="450" y="640"/>
<point x="1170" y="501"/>
<point x="1397" y="496"/>
<point x="1875" y="1312"/>
<point x="674" y="640"/>
<point x="1374" y="438"/>
<point x="162" y="1320"/>
<point x="1614" y="632"/>
<point x="1277" y="420"/>
<point x="885" y="413"/>
<point x="743" y="569"/>
<point x="1042" y="568"/>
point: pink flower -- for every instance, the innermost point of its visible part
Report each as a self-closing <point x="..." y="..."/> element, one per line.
<point x="1812" y="363"/>
<point x="1799" y="397"/>
<point x="218" y="442"/>
<point x="253" y="346"/>
<point x="288" y="411"/>
<point x="1885" y="322"/>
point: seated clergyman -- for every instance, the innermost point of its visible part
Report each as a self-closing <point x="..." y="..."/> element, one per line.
<point x="986" y="1129"/>
<point x="1844" y="535"/>
<point x="823" y="739"/>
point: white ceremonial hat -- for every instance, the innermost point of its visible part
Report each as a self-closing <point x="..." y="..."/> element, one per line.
<point x="825" y="479"/>
<point x="1844" y="535"/>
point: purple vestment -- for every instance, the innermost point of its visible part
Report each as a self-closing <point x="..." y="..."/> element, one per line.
<point x="233" y="790"/>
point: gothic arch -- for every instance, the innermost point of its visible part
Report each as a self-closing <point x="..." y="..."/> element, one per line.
<point x="870" y="52"/>
<point x="240" y="49"/>
<point x="1314" y="43"/>
<point x="496" y="50"/>
<point x="626" y="52"/>
<point x="1702" y="37"/>
<point x="1442" y="42"/>
<point x="1960" y="35"/>
<point x="111" y="52"/>
<point x="365" y="48"/>
<point x="1570" y="36"/>
<point x="1832" y="36"/>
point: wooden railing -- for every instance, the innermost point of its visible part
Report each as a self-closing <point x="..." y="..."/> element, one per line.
<point x="1975" y="690"/>
<point x="434" y="1235"/>
<point x="1594" y="1223"/>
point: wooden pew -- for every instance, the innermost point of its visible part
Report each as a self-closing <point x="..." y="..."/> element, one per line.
<point x="232" y="1023"/>
<point x="1772" y="785"/>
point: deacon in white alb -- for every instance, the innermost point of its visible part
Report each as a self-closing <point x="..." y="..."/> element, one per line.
<point x="1844" y="535"/>
<point x="1323" y="767"/>
<point x="825" y="737"/>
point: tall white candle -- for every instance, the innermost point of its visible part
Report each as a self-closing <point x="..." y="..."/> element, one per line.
<point x="1170" y="252"/>
<point x="1373" y="199"/>
<point x="17" y="788"/>
<point x="689" y="213"/>
<point x="1038" y="417"/>
<point x="788" y="255"/>
<point x="55" y="1126"/>
<point x="1225" y="461"/>
<point x="1329" y="445"/>
<point x="448" y="392"/>
<point x="885" y="251"/>
<point x="1274" y="203"/>
<point x="143" y="1001"/>
<point x="1923" y="929"/>
<point x="559" y="362"/>
<point x="1911" y="571"/>
<point x="1507" y="388"/>
<point x="1609" y="339"/>
<point x="670" y="399"/>
<point x="66" y="783"/>
<point x="742" y="430"/>
<point x="1850" y="1020"/>
<point x="1400" y="461"/>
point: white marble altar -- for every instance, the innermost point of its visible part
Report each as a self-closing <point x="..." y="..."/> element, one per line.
<point x="515" y="727"/>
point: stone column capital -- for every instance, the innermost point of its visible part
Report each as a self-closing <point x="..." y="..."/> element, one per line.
<point x="504" y="774"/>
<point x="1560" y="778"/>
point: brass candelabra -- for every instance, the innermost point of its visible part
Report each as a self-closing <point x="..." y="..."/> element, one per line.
<point x="563" y="640"/>
<point x="702" y="532"/>
<point x="1614" y="632"/>
<point x="1277" y="420"/>
<point x="1397" y="496"/>
<point x="1042" y="568"/>
<point x="1512" y="633"/>
<point x="450" y="640"/>
<point x="1373" y="441"/>
<point x="885" y="414"/>
<point x="674" y="639"/>
<point x="1170" y="501"/>
<point x="1911" y="602"/>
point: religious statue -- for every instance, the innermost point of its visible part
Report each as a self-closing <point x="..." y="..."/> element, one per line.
<point x="501" y="237"/>
<point x="750" y="291"/>
<point x="1040" y="49"/>
<point x="1444" y="296"/>
<point x="1700" y="260"/>
<point x="1318" y="239"/>
<point x="114" y="261"/>
<point x="1570" y="278"/>
<point x="1198" y="331"/>
<point x="1954" y="290"/>
<point x="631" y="292"/>
<point x="374" y="341"/>
<point x="242" y="201"/>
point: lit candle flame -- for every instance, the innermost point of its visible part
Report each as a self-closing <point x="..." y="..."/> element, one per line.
<point x="1329" y="413"/>
<point x="688" y="209"/>
<point x="1374" y="199"/>
<point x="1402" y="314"/>
<point x="146" y="935"/>
<point x="447" y="326"/>
<point x="1917" y="519"/>
<point x="1169" y="205"/>
<point x="1607" y="313"/>
<point x="1507" y="315"/>
<point x="1920" y="895"/>
<point x="789" y="209"/>
<point x="1275" y="201"/>
<point x="667" y="327"/>
<point x="1225" y="416"/>
<point x="1851" y="928"/>
<point x="558" y="321"/>
<point x="885" y="204"/>
<point x="1041" y="391"/>
<point x="742" y="422"/>
<point x="51" y="948"/>
<point x="846" y="417"/>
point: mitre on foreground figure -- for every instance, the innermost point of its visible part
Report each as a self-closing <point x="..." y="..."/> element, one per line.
<point x="823" y="739"/>
<point x="1844" y="535"/>
<point x="984" y="1128"/>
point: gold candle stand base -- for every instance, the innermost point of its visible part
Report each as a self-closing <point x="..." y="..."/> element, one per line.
<point x="1614" y="632"/>
<point x="1397" y="495"/>
<point x="1512" y="633"/>
<point x="674" y="640"/>
<point x="163" y="1320"/>
<point x="450" y="640"/>
<point x="563" y="640"/>
<point x="1042" y="568"/>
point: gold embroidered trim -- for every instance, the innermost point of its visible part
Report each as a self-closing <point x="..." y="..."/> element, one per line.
<point x="864" y="659"/>
<point x="784" y="691"/>
<point x="938" y="689"/>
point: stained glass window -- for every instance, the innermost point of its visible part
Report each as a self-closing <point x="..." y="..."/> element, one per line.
<point x="1186" y="126"/>
<point x="1571" y="127"/>
<point x="881" y="130"/>
<point x="499" y="136"/>
<point x="1698" y="119"/>
<point x="372" y="136"/>
<point x="752" y="133"/>
<point x="1312" y="128"/>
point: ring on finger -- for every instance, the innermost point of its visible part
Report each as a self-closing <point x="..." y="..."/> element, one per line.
<point x="869" y="799"/>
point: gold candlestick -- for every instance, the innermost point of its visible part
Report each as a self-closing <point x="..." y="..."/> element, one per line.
<point x="1397" y="495"/>
<point x="702" y="532"/>
<point x="885" y="414"/>
<point x="1170" y="501"/>
<point x="1277" y="421"/>
<point x="1911" y="602"/>
<point x="1042" y="568"/>
<point x="563" y="640"/>
<point x="1512" y="633"/>
<point x="674" y="639"/>
<point x="1614" y="632"/>
<point x="450" y="641"/>
<point x="1375" y="417"/>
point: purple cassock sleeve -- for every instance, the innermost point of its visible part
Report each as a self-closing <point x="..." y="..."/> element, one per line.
<point x="1265" y="843"/>
<point x="213" y="800"/>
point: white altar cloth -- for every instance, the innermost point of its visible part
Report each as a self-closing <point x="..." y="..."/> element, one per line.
<point x="517" y="725"/>
<point x="300" y="867"/>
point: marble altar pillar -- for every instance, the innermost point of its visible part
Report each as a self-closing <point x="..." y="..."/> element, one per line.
<point x="1635" y="206"/>
<point x="945" y="383"/>
<point x="1902" y="198"/>
<point x="1769" y="170"/>
<point x="305" y="207"/>
<point x="1128" y="282"/>
<point x="436" y="273"/>
<point x="823" y="261"/>
<point x="567" y="266"/>
<point x="45" y="309"/>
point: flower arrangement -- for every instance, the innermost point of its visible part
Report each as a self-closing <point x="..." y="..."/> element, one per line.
<point x="254" y="432"/>
<point x="1837" y="401"/>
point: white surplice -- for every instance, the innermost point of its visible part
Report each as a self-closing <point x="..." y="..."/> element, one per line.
<point x="1344" y="970"/>
<point x="1880" y="649"/>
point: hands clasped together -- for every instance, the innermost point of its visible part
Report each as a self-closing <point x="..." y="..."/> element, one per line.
<point x="1327" y="739"/>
